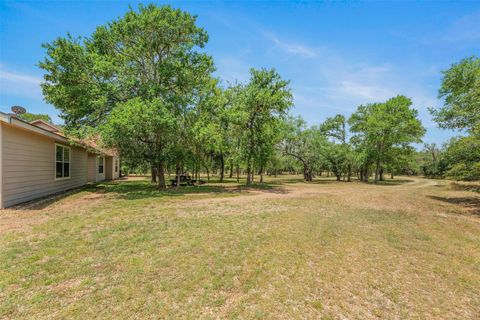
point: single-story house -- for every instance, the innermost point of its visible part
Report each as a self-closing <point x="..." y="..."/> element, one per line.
<point x="37" y="160"/>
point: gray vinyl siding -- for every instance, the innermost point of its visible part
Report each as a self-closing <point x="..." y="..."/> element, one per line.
<point x="28" y="166"/>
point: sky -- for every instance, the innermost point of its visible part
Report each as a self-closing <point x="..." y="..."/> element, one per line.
<point x="337" y="55"/>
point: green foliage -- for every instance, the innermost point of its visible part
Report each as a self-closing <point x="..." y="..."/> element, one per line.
<point x="463" y="158"/>
<point x="142" y="130"/>
<point x="143" y="83"/>
<point x="432" y="161"/>
<point x="258" y="112"/>
<point x="338" y="153"/>
<point x="461" y="91"/>
<point x="210" y="127"/>
<point x="147" y="54"/>
<point x="136" y="79"/>
<point x="335" y="128"/>
<point x="306" y="145"/>
<point x="29" y="117"/>
<point x="382" y="128"/>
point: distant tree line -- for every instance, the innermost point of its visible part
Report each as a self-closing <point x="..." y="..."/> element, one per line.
<point x="144" y="84"/>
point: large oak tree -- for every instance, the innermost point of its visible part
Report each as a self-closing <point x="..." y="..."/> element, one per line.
<point x="150" y="57"/>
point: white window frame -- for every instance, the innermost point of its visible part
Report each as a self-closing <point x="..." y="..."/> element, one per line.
<point x="116" y="165"/>
<point x="103" y="165"/>
<point x="55" y="162"/>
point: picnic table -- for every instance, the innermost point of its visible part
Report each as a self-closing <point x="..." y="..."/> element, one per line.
<point x="185" y="180"/>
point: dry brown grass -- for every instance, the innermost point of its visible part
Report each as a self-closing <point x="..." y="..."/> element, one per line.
<point x="333" y="250"/>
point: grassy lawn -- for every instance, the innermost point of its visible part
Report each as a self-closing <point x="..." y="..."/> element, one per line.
<point x="409" y="248"/>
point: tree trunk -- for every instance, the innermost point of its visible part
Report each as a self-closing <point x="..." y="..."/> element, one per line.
<point x="307" y="173"/>
<point x="208" y="173"/>
<point x="199" y="167"/>
<point x="364" y="173"/>
<point x="231" y="170"/>
<point x="377" y="170"/>
<point x="222" y="167"/>
<point x="381" y="174"/>
<point x="261" y="174"/>
<point x="177" y="171"/>
<point x="391" y="175"/>
<point x="249" y="170"/>
<point x="154" y="174"/>
<point x="238" y="173"/>
<point x="161" y="177"/>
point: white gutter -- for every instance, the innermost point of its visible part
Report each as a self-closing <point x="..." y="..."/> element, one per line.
<point x="30" y="127"/>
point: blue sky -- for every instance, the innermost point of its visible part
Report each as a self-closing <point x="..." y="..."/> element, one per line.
<point x="336" y="55"/>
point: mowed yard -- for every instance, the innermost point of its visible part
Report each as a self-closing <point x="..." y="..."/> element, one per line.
<point x="405" y="249"/>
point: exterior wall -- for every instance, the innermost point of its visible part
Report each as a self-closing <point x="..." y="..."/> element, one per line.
<point x="28" y="166"/>
<point x="92" y="168"/>
<point x="116" y="174"/>
<point x="92" y="173"/>
<point x="110" y="173"/>
<point x="109" y="168"/>
<point x="1" y="165"/>
<point x="101" y="176"/>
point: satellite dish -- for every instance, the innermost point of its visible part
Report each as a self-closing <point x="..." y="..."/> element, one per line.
<point x="18" y="110"/>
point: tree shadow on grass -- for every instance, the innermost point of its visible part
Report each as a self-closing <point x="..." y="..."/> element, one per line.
<point x="143" y="189"/>
<point x="46" y="201"/>
<point x="282" y="181"/>
<point x="465" y="186"/>
<point x="264" y="187"/>
<point x="332" y="180"/>
<point x="472" y="204"/>
<point x="132" y="190"/>
<point x="390" y="182"/>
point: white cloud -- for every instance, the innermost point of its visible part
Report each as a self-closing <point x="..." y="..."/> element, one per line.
<point x="290" y="47"/>
<point x="364" y="91"/>
<point x="20" y="84"/>
<point x="335" y="83"/>
<point x="466" y="28"/>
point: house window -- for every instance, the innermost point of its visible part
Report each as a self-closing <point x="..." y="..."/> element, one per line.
<point x="116" y="165"/>
<point x="62" y="162"/>
<point x="100" y="165"/>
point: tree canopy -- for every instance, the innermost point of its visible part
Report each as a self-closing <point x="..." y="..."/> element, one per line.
<point x="149" y="54"/>
<point x="380" y="128"/>
<point x="460" y="90"/>
<point x="145" y="85"/>
<point x="29" y="117"/>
